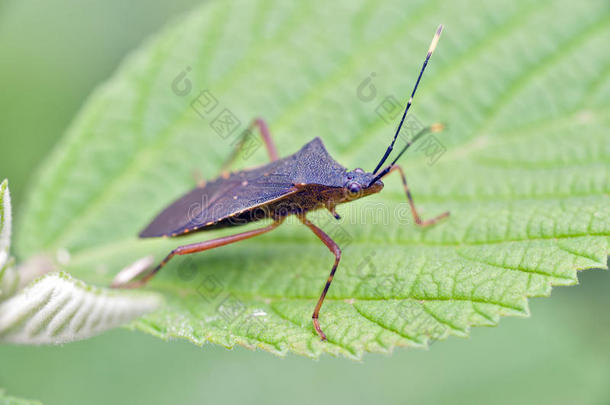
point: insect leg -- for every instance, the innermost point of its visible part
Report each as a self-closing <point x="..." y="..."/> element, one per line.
<point x="334" y="248"/>
<point x="200" y="247"/>
<point x="416" y="217"/>
<point x="265" y="134"/>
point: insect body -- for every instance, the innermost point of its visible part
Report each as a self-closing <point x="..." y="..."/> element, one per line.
<point x="309" y="179"/>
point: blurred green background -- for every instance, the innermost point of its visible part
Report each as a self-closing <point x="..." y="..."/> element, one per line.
<point x="51" y="57"/>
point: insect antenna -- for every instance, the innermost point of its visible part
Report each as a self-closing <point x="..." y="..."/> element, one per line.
<point x="432" y="128"/>
<point x="433" y="44"/>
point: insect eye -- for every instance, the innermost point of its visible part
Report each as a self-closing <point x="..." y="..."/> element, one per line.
<point x="354" y="188"/>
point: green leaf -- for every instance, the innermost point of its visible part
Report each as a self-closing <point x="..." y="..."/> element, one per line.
<point x="8" y="400"/>
<point x="523" y="87"/>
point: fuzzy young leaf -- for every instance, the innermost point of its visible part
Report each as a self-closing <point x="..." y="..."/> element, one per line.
<point x="8" y="275"/>
<point x="5" y="223"/>
<point x="523" y="168"/>
<point x="58" y="309"/>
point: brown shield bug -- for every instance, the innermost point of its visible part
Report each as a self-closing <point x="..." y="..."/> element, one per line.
<point x="308" y="180"/>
